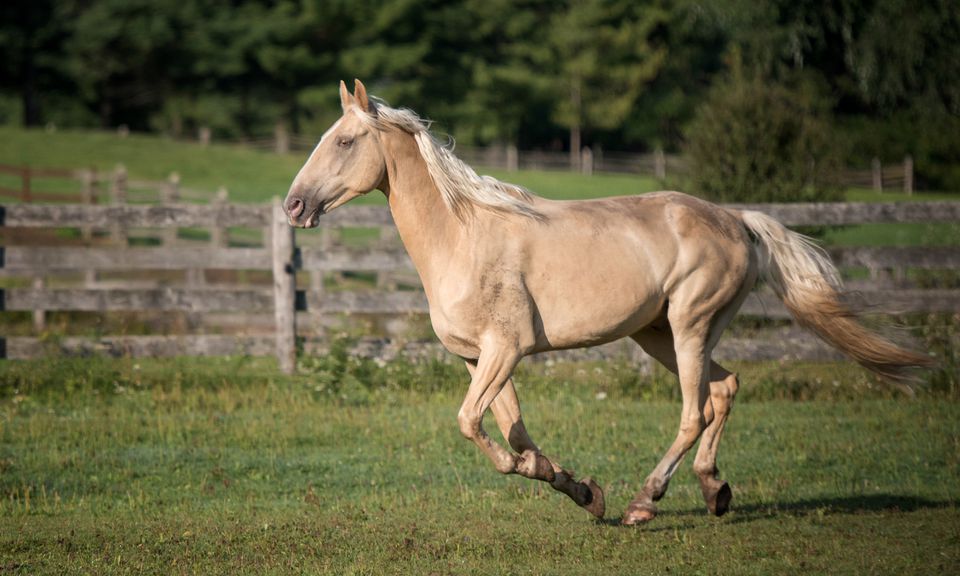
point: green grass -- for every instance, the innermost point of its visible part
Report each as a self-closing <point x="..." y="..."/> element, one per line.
<point x="224" y="467"/>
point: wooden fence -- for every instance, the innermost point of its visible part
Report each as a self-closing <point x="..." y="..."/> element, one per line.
<point x="878" y="176"/>
<point x="38" y="277"/>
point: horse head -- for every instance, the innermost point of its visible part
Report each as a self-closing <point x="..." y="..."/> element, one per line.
<point x="346" y="163"/>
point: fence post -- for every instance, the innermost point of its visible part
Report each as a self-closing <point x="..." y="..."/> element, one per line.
<point x="170" y="194"/>
<point x="876" y="170"/>
<point x="586" y="161"/>
<point x="281" y="138"/>
<point x="513" y="158"/>
<point x="659" y="164"/>
<point x="39" y="316"/>
<point x="88" y="182"/>
<point x="284" y="289"/>
<point x="218" y="234"/>
<point x="118" y="196"/>
<point x="908" y="174"/>
<point x="597" y="158"/>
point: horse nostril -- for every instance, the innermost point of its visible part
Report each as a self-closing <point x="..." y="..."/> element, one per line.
<point x="294" y="207"/>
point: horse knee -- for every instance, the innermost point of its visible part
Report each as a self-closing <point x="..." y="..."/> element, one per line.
<point x="691" y="427"/>
<point x="728" y="387"/>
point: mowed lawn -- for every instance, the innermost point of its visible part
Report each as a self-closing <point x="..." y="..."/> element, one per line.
<point x="224" y="467"/>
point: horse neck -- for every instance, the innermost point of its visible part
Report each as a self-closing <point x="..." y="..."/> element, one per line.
<point x="428" y="229"/>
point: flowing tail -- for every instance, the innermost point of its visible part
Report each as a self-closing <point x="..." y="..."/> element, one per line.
<point x="803" y="276"/>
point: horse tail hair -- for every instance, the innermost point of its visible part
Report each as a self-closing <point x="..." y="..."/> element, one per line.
<point x="802" y="275"/>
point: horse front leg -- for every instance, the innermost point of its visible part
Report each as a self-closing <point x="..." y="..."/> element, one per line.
<point x="586" y="493"/>
<point x="489" y="374"/>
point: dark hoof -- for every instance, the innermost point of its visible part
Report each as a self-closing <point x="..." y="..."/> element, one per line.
<point x="721" y="502"/>
<point x="717" y="496"/>
<point x="596" y="504"/>
<point x="639" y="513"/>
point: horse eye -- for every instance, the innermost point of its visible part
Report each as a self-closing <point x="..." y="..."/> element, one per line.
<point x="345" y="142"/>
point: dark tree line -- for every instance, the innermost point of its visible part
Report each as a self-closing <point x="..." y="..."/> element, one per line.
<point x="884" y="75"/>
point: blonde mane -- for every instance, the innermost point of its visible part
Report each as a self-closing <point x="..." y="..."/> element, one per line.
<point x="461" y="188"/>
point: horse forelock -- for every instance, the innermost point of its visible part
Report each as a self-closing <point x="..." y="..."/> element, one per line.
<point x="461" y="188"/>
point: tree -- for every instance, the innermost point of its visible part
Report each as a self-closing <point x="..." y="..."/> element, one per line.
<point x="604" y="58"/>
<point x="32" y="33"/>
<point x="755" y="141"/>
<point x="510" y="87"/>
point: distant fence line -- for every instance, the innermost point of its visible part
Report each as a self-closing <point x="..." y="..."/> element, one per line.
<point x="878" y="176"/>
<point x="35" y="273"/>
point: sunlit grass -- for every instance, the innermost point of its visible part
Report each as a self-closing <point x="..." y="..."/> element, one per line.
<point x="224" y="466"/>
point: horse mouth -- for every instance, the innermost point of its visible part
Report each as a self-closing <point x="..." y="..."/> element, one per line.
<point x="312" y="219"/>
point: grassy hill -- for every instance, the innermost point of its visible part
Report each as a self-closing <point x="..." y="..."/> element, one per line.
<point x="249" y="175"/>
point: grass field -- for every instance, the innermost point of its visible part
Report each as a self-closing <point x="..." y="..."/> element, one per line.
<point x="224" y="467"/>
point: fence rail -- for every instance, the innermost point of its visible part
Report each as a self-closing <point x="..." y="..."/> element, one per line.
<point x="280" y="260"/>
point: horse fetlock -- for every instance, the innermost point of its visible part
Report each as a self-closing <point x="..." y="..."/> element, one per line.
<point x="533" y="464"/>
<point x="586" y="493"/>
<point x="640" y="511"/>
<point x="705" y="470"/>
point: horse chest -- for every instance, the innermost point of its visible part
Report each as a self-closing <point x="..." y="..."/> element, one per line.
<point x="464" y="322"/>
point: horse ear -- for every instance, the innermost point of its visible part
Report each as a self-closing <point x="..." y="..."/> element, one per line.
<point x="346" y="100"/>
<point x="360" y="95"/>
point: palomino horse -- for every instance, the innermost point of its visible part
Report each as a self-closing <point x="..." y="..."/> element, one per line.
<point x="508" y="274"/>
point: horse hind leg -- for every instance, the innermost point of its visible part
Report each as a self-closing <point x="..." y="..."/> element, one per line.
<point x="723" y="389"/>
<point x="688" y="358"/>
<point x="532" y="464"/>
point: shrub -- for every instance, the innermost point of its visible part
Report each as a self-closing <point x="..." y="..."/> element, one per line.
<point x="754" y="141"/>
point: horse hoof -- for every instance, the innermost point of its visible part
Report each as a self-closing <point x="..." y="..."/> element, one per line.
<point x="639" y="514"/>
<point x="720" y="502"/>
<point x="596" y="505"/>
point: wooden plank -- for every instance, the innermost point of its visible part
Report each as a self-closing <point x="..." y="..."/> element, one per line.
<point x="155" y="216"/>
<point x="358" y="216"/>
<point x="284" y="289"/>
<point x="39" y="258"/>
<point x="354" y="259"/>
<point x="897" y="256"/>
<point x="366" y="302"/>
<point x="138" y="346"/>
<point x="765" y="304"/>
<point x="63" y="173"/>
<point x="779" y="344"/>
<point x="840" y="213"/>
<point x="101" y="300"/>
<point x="251" y="215"/>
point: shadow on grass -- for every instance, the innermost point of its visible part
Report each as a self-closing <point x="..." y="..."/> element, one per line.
<point x="672" y="520"/>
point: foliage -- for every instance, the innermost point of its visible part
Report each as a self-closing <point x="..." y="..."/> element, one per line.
<point x="752" y="141"/>
<point x="540" y="74"/>
<point x="941" y="336"/>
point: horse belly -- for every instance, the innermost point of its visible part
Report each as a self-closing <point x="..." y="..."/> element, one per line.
<point x="593" y="308"/>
